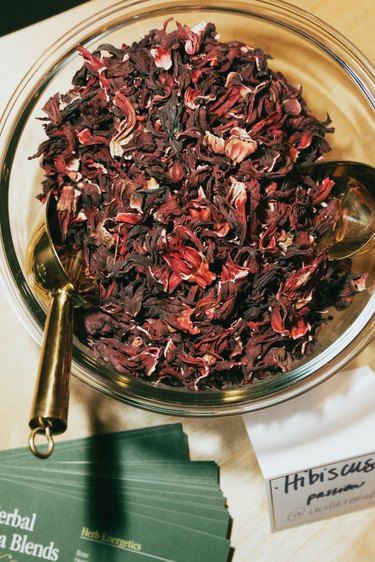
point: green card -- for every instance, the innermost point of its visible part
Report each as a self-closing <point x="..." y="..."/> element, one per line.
<point x="167" y="442"/>
<point x="198" y="472"/>
<point x="196" y="503"/>
<point x="151" y="493"/>
<point x="212" y="525"/>
<point x="39" y="524"/>
<point x="130" y="495"/>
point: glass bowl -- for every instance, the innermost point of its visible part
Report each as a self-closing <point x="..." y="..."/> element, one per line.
<point x="336" y="79"/>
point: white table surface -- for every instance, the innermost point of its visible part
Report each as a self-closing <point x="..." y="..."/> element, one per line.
<point x="348" y="538"/>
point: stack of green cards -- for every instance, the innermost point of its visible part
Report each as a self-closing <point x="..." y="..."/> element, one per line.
<point x="132" y="495"/>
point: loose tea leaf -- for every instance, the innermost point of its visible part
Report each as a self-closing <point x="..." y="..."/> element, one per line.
<point x="177" y="166"/>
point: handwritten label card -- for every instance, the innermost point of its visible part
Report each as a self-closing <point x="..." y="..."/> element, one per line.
<point x="316" y="451"/>
<point x="322" y="492"/>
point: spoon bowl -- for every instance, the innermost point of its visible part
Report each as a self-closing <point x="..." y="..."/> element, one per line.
<point x="353" y="232"/>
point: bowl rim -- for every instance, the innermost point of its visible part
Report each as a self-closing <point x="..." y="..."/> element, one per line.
<point x="127" y="388"/>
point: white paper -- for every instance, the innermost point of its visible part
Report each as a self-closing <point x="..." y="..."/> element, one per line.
<point x="332" y="423"/>
<point x="321" y="492"/>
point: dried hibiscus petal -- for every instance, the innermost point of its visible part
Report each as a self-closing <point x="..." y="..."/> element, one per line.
<point x="162" y="57"/>
<point x="239" y="145"/>
<point x="176" y="164"/>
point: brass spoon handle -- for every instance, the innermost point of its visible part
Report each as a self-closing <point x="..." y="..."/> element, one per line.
<point x="51" y="397"/>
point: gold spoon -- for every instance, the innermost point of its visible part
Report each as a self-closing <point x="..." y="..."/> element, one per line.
<point x="354" y="230"/>
<point x="63" y="282"/>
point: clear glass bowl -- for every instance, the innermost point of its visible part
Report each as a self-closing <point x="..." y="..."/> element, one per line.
<point x="336" y="79"/>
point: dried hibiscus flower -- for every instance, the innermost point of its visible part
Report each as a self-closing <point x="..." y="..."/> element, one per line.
<point x="176" y="162"/>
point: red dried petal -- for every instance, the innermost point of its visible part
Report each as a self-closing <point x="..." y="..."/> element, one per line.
<point x="52" y="109"/>
<point x="299" y="329"/>
<point x="222" y="228"/>
<point x="125" y="127"/>
<point x="162" y="57"/>
<point x="322" y="192"/>
<point x="232" y="272"/>
<point x="92" y="62"/>
<point x="277" y="321"/>
<point x="176" y="172"/>
<point x="237" y="149"/>
<point x="193" y="37"/>
<point x="66" y="200"/>
<point x="359" y="282"/>
<point x="216" y="144"/>
<point x="86" y="138"/>
<point x="146" y="360"/>
<point x="189" y="97"/>
<point x="184" y="321"/>
<point x="203" y="214"/>
<point x="292" y="107"/>
<point x="130" y="218"/>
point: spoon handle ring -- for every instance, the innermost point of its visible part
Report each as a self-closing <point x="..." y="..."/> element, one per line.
<point x="41" y="453"/>
<point x="51" y="396"/>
